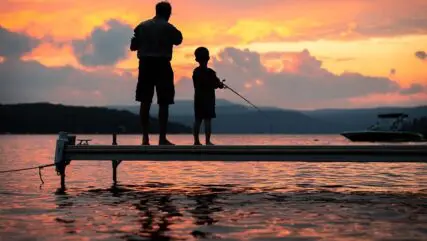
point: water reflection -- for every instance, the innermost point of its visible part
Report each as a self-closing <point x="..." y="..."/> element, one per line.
<point x="158" y="211"/>
<point x="155" y="217"/>
<point x="64" y="204"/>
<point x="266" y="201"/>
<point x="205" y="208"/>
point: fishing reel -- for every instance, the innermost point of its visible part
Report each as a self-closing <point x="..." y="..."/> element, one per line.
<point x="224" y="86"/>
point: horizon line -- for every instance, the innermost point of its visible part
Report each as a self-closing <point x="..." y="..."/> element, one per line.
<point x="233" y="103"/>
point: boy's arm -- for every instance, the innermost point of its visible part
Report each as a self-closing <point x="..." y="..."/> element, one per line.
<point x="196" y="81"/>
<point x="217" y="81"/>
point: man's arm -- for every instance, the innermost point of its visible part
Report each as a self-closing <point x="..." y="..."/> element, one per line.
<point x="176" y="36"/>
<point x="134" y="42"/>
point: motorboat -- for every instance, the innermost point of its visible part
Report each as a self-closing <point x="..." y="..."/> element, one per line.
<point x="389" y="128"/>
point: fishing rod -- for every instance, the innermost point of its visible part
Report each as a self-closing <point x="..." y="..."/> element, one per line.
<point x="235" y="92"/>
<point x="263" y="114"/>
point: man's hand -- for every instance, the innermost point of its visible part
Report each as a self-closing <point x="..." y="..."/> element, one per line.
<point x="177" y="36"/>
<point x="134" y="44"/>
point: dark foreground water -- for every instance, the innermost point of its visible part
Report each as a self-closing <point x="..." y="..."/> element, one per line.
<point x="211" y="200"/>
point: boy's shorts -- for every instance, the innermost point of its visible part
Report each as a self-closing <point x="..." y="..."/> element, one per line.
<point x="155" y="73"/>
<point x="204" y="110"/>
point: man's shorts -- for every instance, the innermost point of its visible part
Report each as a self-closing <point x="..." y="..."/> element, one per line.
<point x="155" y="73"/>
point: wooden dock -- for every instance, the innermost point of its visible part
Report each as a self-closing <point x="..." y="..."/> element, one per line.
<point x="67" y="151"/>
<point x="333" y="153"/>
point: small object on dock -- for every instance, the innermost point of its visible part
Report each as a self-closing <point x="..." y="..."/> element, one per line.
<point x="83" y="142"/>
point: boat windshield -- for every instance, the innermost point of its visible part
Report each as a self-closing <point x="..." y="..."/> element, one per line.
<point x="389" y="122"/>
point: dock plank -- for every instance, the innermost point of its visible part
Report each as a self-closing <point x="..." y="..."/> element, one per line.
<point x="319" y="153"/>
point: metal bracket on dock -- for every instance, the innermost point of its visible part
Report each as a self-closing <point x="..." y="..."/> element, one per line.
<point x="60" y="162"/>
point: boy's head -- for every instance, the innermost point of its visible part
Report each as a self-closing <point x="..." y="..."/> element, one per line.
<point x="163" y="10"/>
<point x="202" y="55"/>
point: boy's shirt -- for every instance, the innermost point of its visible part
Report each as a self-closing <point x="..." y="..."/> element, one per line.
<point x="205" y="82"/>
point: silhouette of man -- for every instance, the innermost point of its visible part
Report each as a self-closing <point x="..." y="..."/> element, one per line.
<point x="154" y="40"/>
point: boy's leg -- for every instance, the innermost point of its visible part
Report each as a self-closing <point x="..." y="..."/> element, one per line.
<point x="208" y="131"/>
<point x="196" y="131"/>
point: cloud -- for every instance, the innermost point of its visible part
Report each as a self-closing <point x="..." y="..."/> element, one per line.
<point x="301" y="83"/>
<point x="386" y="26"/>
<point x="30" y="81"/>
<point x="421" y="55"/>
<point x="15" y="45"/>
<point x="255" y="20"/>
<point x="389" y="99"/>
<point x="414" y="89"/>
<point x="105" y="46"/>
<point x="393" y="72"/>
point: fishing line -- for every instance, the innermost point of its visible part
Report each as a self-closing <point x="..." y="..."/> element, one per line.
<point x="30" y="168"/>
<point x="263" y="114"/>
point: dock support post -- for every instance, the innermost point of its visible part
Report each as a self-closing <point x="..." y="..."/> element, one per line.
<point x="60" y="162"/>
<point x="115" y="163"/>
<point x="62" y="173"/>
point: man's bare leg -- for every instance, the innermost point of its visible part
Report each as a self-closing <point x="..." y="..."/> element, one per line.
<point x="144" y="114"/>
<point x="196" y="131"/>
<point x="163" y="125"/>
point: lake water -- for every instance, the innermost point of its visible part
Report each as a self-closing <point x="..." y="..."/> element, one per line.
<point x="209" y="200"/>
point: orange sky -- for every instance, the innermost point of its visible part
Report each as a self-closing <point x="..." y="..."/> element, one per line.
<point x="362" y="36"/>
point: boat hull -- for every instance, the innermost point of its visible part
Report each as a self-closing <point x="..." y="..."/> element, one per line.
<point x="383" y="136"/>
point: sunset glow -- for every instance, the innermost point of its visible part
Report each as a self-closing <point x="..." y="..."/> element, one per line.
<point x="320" y="40"/>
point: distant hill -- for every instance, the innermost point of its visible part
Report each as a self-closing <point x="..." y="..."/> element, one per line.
<point x="185" y="107"/>
<point x="236" y="118"/>
<point x="268" y="122"/>
<point x="359" y="119"/>
<point x="43" y="118"/>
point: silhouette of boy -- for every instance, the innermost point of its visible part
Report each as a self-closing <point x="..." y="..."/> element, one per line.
<point x="205" y="82"/>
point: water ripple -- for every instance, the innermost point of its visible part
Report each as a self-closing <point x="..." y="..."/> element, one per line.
<point x="210" y="200"/>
